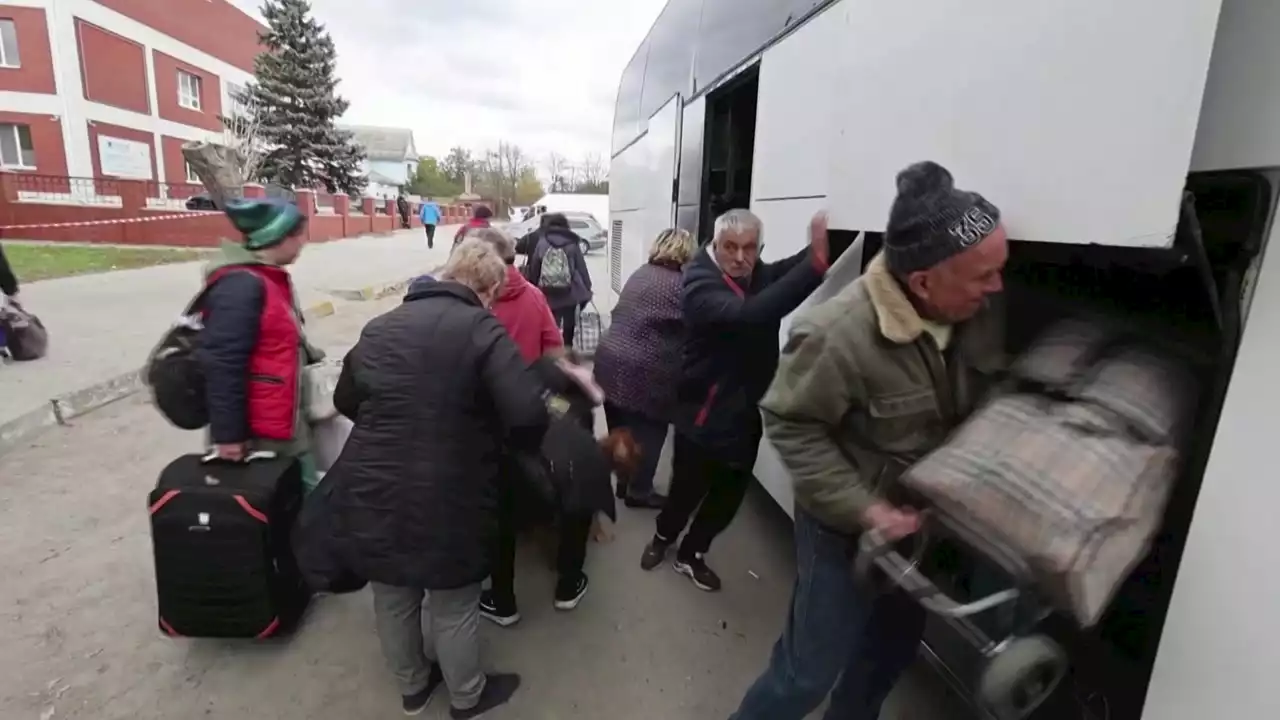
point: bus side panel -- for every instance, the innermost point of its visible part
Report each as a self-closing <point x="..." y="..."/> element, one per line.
<point x="788" y="175"/>
<point x="662" y="148"/>
<point x="627" y="176"/>
<point x="1242" y="95"/>
<point x="693" y="128"/>
<point x="1221" y="640"/>
<point x="1076" y="119"/>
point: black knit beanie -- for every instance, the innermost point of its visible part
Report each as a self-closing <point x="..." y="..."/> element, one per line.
<point x="931" y="220"/>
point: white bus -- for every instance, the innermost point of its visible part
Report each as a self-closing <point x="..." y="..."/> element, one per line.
<point x="1085" y="122"/>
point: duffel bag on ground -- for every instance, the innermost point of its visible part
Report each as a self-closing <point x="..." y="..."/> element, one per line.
<point x="224" y="563"/>
<point x="24" y="337"/>
<point x="1071" y="469"/>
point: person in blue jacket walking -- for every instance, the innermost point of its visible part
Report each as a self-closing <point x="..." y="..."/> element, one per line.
<point x="429" y="214"/>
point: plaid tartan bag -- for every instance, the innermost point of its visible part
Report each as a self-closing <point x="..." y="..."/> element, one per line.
<point x="1074" y="480"/>
<point x="590" y="328"/>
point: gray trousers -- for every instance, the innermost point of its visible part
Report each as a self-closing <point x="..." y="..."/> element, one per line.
<point x="418" y="628"/>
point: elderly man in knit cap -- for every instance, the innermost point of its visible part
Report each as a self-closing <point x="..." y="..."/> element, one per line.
<point x="252" y="348"/>
<point x="869" y="381"/>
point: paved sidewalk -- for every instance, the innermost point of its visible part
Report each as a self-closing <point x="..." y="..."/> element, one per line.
<point x="102" y="326"/>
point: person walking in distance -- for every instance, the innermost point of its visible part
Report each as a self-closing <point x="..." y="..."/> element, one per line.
<point x="402" y="207"/>
<point x="871" y="380"/>
<point x="437" y="391"/>
<point x="429" y="214"/>
<point x="480" y="218"/>
<point x="638" y="361"/>
<point x="8" y="280"/>
<point x="732" y="306"/>
<point x="559" y="269"/>
<point x="253" y="348"/>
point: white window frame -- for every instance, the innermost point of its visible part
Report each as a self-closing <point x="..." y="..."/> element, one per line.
<point x="17" y="142"/>
<point x="5" y="60"/>
<point x="191" y="175"/>
<point x="189" y="88"/>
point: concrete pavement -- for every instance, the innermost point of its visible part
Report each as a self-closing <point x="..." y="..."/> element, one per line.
<point x="82" y="643"/>
<point x="102" y="326"/>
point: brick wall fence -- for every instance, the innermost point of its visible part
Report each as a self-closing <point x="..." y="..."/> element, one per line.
<point x="140" y="212"/>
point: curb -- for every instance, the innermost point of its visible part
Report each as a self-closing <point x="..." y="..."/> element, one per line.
<point x="372" y="292"/>
<point x="69" y="406"/>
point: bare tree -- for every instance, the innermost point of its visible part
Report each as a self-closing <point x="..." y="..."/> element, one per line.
<point x="591" y="172"/>
<point x="224" y="167"/>
<point x="559" y="169"/>
<point x="500" y="171"/>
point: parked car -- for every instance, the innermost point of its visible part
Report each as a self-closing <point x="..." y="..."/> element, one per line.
<point x="593" y="234"/>
<point x="201" y="202"/>
<point x="204" y="202"/>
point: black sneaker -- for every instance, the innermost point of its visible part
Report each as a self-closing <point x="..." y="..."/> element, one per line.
<point x="652" y="501"/>
<point x="654" y="553"/>
<point x="498" y="689"/>
<point x="569" y="595"/>
<point x="500" y="614"/>
<point x="414" y="704"/>
<point x="696" y="569"/>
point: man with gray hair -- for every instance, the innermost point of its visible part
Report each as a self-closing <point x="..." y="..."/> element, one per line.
<point x="732" y="305"/>
<point x="870" y="381"/>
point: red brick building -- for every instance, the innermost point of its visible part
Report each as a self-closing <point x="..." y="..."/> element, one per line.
<point x="113" y="88"/>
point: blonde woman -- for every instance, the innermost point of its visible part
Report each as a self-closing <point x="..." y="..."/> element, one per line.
<point x="638" y="361"/>
<point x="437" y="391"/>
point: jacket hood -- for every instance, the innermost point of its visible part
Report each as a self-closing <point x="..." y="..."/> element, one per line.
<point x="231" y="253"/>
<point x="515" y="287"/>
<point x="419" y="283"/>
<point x="442" y="288"/>
<point x="560" y="237"/>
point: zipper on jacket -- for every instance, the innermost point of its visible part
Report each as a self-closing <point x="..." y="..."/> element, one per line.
<point x="705" y="410"/>
<point x="942" y="389"/>
<point x="269" y="379"/>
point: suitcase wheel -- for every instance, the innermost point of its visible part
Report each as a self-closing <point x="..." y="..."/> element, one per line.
<point x="1021" y="677"/>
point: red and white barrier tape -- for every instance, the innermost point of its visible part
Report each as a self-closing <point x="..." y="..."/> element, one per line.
<point x="116" y="221"/>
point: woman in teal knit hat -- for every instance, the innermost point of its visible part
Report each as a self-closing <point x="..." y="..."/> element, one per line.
<point x="253" y="348"/>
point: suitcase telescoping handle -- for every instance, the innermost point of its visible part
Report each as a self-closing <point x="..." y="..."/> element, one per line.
<point x="212" y="457"/>
<point x="875" y="552"/>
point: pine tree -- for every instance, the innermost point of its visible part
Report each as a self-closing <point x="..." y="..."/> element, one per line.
<point x="294" y="94"/>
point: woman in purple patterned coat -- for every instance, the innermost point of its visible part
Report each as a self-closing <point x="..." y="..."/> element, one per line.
<point x="638" y="361"/>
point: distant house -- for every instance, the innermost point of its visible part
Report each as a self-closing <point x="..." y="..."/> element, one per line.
<point x="391" y="160"/>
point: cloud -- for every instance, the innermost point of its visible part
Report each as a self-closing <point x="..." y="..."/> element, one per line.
<point x="473" y="72"/>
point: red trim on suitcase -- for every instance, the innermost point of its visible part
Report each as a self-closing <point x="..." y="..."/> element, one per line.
<point x="270" y="629"/>
<point x="705" y="410"/>
<point x="254" y="513"/>
<point x="169" y="495"/>
<point x="165" y="626"/>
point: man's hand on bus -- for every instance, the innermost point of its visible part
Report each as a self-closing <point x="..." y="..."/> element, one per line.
<point x="892" y="522"/>
<point x="819" y="241"/>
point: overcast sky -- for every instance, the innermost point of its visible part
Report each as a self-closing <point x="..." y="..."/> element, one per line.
<point x="542" y="74"/>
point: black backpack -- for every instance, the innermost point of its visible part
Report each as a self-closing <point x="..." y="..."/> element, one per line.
<point x="173" y="373"/>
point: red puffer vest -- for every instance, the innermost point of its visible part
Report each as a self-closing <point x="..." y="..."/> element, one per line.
<point x="274" y="366"/>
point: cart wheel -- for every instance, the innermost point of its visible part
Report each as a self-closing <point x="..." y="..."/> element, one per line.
<point x="1021" y="677"/>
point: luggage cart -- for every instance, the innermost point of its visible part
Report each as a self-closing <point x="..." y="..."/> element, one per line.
<point x="1022" y="667"/>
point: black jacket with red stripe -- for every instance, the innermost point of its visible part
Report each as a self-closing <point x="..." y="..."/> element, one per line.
<point x="731" y="348"/>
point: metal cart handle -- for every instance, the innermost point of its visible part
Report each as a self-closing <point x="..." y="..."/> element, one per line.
<point x="874" y="551"/>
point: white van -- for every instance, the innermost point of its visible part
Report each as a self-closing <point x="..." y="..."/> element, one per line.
<point x="1084" y="122"/>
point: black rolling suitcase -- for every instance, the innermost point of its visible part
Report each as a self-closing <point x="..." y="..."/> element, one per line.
<point x="220" y="532"/>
